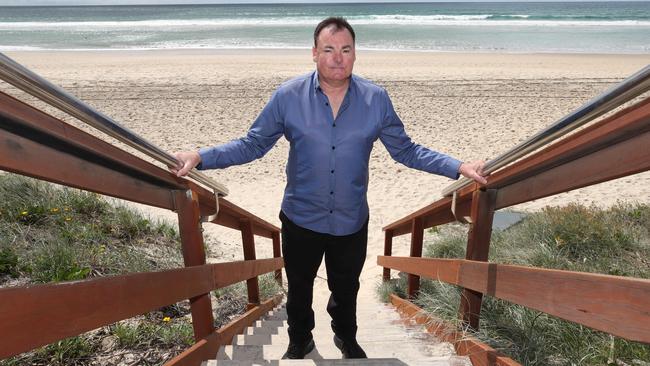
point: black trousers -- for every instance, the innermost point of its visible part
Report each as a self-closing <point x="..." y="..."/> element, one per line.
<point x="303" y="252"/>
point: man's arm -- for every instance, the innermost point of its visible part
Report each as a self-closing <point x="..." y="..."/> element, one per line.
<point x="405" y="151"/>
<point x="263" y="134"/>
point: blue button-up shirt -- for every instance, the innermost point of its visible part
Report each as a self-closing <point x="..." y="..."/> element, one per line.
<point x="327" y="171"/>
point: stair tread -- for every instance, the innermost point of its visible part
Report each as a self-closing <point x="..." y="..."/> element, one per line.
<point x="433" y="361"/>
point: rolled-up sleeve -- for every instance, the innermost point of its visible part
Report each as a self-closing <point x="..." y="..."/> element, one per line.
<point x="402" y="149"/>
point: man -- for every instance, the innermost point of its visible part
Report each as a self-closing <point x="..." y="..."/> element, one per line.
<point x="331" y="119"/>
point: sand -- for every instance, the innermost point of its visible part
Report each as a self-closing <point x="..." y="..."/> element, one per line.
<point x="471" y="106"/>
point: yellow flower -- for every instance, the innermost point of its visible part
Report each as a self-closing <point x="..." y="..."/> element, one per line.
<point x="167" y="319"/>
<point x="68" y="219"/>
<point x="24" y="213"/>
<point x="54" y="209"/>
<point x="66" y="209"/>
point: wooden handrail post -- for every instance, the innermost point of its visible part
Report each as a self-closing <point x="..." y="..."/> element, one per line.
<point x="417" y="238"/>
<point x="189" y="226"/>
<point x="248" y="241"/>
<point x="478" y="249"/>
<point x="388" y="251"/>
<point x="277" y="253"/>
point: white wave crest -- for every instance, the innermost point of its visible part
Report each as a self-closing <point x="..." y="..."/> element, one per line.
<point x="397" y="19"/>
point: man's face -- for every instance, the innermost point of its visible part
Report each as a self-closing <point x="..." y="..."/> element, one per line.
<point x="334" y="54"/>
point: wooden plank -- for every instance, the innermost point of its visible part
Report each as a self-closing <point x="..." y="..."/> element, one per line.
<point x="625" y="158"/>
<point x="208" y="347"/>
<point x="417" y="238"/>
<point x="388" y="251"/>
<point x="478" y="248"/>
<point x="248" y="245"/>
<point x="203" y="350"/>
<point x="632" y="121"/>
<point x="41" y="314"/>
<point x="24" y="156"/>
<point x="437" y="213"/>
<point x="189" y="225"/>
<point x="443" y="269"/>
<point x="479" y="353"/>
<point x="277" y="253"/>
<point x="628" y="122"/>
<point x="34" y="316"/>
<point x="230" y="216"/>
<point x="33" y="118"/>
<point x="612" y="304"/>
<point x="574" y="296"/>
<point x="226" y="274"/>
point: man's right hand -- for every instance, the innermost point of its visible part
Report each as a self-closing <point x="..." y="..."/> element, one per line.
<point x="187" y="160"/>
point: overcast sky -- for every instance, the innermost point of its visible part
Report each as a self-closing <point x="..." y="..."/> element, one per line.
<point x="134" y="2"/>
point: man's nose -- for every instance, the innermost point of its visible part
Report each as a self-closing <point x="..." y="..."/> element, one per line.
<point x="338" y="57"/>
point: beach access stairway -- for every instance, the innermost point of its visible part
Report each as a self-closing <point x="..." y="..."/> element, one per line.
<point x="387" y="338"/>
<point x="32" y="316"/>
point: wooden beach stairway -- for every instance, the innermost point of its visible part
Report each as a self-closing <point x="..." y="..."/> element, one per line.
<point x="387" y="338"/>
<point x="32" y="316"/>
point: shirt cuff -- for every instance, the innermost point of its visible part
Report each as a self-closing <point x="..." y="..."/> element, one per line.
<point x="207" y="155"/>
<point x="453" y="165"/>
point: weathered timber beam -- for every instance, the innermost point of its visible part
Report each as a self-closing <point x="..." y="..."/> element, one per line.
<point x="33" y="316"/>
<point x="624" y="158"/>
<point x="445" y="270"/>
<point x="24" y="156"/>
<point x="631" y="122"/>
<point x="32" y="121"/>
<point x="627" y="123"/>
<point x="435" y="214"/>
<point x="612" y="304"/>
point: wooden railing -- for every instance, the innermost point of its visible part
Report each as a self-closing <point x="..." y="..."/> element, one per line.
<point x="614" y="147"/>
<point x="35" y="144"/>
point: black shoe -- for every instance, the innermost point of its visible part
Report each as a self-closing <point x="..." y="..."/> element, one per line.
<point x="298" y="351"/>
<point x="349" y="348"/>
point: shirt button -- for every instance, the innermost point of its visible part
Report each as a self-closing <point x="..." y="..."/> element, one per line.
<point x="331" y="211"/>
<point x="327" y="103"/>
<point x="331" y="192"/>
<point x="335" y="125"/>
<point x="332" y="171"/>
<point x="333" y="147"/>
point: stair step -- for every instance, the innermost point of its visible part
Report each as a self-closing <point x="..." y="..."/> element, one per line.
<point x="271" y="323"/>
<point x="433" y="361"/>
<point x="322" y="337"/>
<point x="327" y="350"/>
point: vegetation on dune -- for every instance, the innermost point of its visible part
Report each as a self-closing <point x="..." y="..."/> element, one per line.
<point x="614" y="241"/>
<point x="50" y="234"/>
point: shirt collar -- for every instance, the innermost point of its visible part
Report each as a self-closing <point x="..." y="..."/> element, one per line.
<point x="316" y="82"/>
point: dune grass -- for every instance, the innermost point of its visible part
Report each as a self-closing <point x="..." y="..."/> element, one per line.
<point x="614" y="241"/>
<point x="50" y="234"/>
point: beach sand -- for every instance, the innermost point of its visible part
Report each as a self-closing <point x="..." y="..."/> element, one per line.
<point x="471" y="106"/>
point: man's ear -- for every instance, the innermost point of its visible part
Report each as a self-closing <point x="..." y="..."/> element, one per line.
<point x="314" y="54"/>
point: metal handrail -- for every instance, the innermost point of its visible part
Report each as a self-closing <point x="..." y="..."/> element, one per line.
<point x="24" y="79"/>
<point x="612" y="98"/>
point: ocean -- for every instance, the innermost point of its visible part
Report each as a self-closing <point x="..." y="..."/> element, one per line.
<point x="559" y="27"/>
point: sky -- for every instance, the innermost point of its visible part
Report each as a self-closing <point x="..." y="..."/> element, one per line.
<point x="134" y="2"/>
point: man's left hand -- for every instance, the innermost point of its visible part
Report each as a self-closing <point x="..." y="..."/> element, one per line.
<point x="474" y="170"/>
